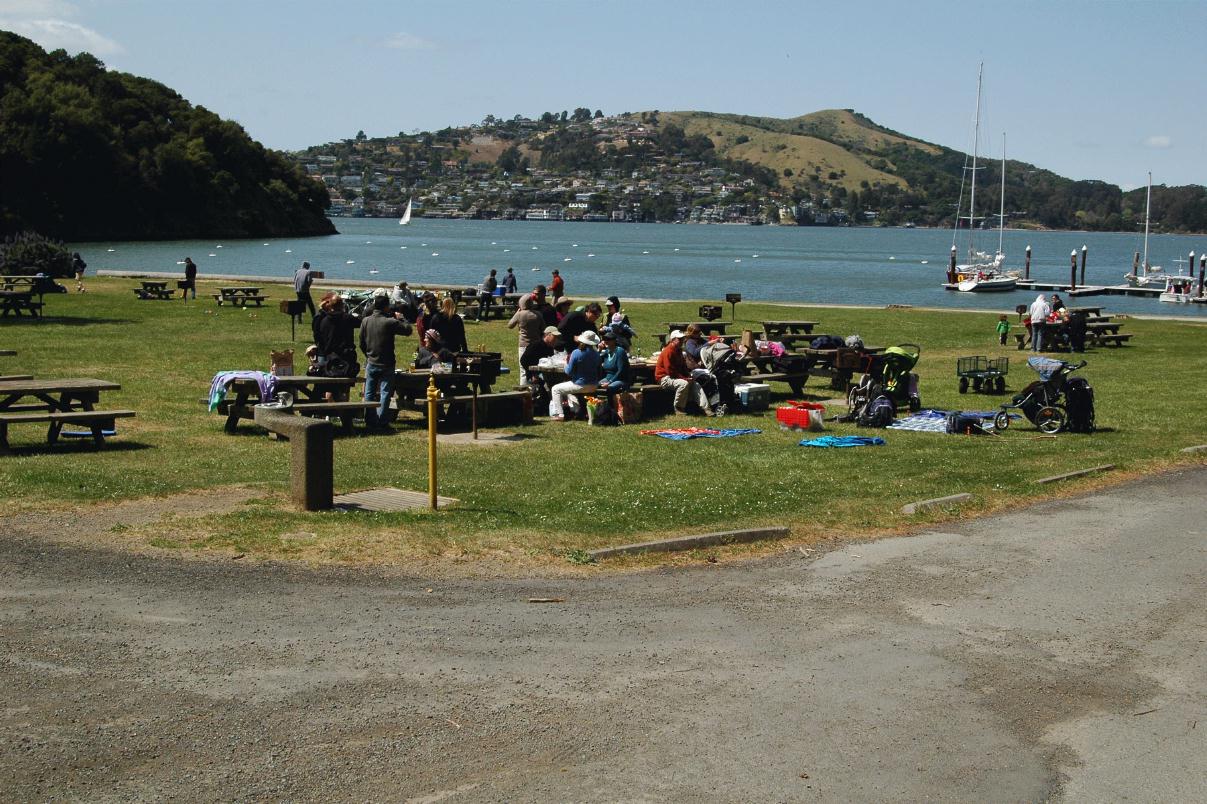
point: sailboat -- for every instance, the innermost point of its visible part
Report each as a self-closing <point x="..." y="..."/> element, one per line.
<point x="406" y="216"/>
<point x="982" y="272"/>
<point x="1143" y="274"/>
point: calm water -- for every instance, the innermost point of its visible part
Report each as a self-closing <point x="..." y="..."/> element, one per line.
<point x="846" y="266"/>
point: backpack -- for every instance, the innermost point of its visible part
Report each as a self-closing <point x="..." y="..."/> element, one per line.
<point x="827" y="342"/>
<point x="1079" y="404"/>
<point x="880" y="412"/>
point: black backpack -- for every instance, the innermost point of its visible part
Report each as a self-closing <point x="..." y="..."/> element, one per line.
<point x="880" y="412"/>
<point x="1079" y="403"/>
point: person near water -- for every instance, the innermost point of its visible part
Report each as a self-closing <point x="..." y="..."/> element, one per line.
<point x="1003" y="328"/>
<point x="190" y="279"/>
<point x="509" y="281"/>
<point x="303" y="278"/>
<point x="557" y="286"/>
<point x="487" y="294"/>
<point x="77" y="267"/>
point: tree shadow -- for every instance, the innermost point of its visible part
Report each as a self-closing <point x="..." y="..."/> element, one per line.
<point x="78" y="446"/>
<point x="65" y="320"/>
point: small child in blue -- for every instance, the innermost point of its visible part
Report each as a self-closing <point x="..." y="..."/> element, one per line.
<point x="1003" y="328"/>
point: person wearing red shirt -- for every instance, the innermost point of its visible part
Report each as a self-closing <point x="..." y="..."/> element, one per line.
<point x="672" y="373"/>
<point x="557" y="286"/>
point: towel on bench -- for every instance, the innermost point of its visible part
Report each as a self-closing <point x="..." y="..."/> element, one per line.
<point x="223" y="379"/>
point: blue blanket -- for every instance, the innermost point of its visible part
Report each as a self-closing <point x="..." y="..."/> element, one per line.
<point x="844" y="441"/>
<point x="684" y="433"/>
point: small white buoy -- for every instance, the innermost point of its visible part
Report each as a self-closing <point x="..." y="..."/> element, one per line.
<point x="350" y="262"/>
<point x="590" y="255"/>
<point x="212" y="254"/>
<point x="493" y="243"/>
<point x="266" y="244"/>
<point x="574" y="245"/>
<point x="288" y="251"/>
<point x="676" y="249"/>
<point x="368" y="242"/>
<point x="925" y="262"/>
<point x="373" y="271"/>
<point x="645" y="252"/>
<point x="435" y="253"/>
<point x="892" y="258"/>
<point x="536" y="269"/>
<point x="218" y="246"/>
<point x="110" y="249"/>
<point x="534" y="248"/>
<point x="506" y="250"/>
<point x="566" y="259"/>
<point x="402" y="246"/>
<point x="756" y="256"/>
<point x="737" y="260"/>
<point x="423" y="244"/>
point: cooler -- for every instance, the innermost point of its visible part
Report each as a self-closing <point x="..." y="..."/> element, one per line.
<point x="754" y="395"/>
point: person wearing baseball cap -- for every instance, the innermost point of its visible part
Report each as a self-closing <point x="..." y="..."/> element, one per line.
<point x="583" y="370"/>
<point x="672" y="373"/>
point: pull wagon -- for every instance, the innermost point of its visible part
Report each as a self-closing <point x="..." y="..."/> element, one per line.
<point x="984" y="373"/>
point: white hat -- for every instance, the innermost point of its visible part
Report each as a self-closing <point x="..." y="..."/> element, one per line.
<point x="588" y="338"/>
<point x="675" y="333"/>
<point x="381" y="292"/>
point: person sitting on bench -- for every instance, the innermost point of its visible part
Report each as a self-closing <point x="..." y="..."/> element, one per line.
<point x="672" y="373"/>
<point x="583" y="370"/>
<point x="432" y="351"/>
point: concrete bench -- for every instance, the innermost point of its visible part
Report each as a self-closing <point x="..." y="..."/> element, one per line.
<point x="95" y="419"/>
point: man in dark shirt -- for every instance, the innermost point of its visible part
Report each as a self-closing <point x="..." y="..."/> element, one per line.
<point x="488" y="294"/>
<point x="580" y="321"/>
<point x="377" y="333"/>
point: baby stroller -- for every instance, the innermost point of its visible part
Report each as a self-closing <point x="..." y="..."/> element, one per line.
<point x="1048" y="402"/>
<point x="893" y="370"/>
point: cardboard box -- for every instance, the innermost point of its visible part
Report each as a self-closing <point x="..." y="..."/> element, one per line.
<point x="754" y="395"/>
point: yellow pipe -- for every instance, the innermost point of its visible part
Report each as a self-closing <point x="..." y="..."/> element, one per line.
<point x="432" y="395"/>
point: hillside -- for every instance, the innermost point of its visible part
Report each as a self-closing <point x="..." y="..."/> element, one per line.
<point x="90" y="154"/>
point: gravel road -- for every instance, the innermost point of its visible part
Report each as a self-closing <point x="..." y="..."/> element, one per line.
<point x="1057" y="652"/>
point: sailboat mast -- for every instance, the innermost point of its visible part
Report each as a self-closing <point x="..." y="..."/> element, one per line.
<point x="1148" y="199"/>
<point x="976" y="135"/>
<point x="1001" y="215"/>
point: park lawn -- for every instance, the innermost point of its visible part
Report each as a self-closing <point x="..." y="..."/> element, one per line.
<point x="566" y="487"/>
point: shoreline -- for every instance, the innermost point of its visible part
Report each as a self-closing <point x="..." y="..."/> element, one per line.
<point x="364" y="283"/>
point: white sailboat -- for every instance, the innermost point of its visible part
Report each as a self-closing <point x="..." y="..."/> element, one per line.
<point x="1149" y="275"/>
<point x="982" y="272"/>
<point x="406" y="216"/>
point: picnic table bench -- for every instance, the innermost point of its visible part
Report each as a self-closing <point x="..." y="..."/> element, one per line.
<point x="56" y="402"/>
<point x="153" y="290"/>
<point x="309" y="392"/>
<point x="662" y="336"/>
<point x="239" y="296"/>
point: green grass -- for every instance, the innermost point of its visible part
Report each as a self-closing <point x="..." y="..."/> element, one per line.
<point x="568" y="487"/>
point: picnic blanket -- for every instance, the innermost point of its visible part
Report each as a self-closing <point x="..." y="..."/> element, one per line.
<point x="935" y="421"/>
<point x="218" y="386"/>
<point x="684" y="433"/>
<point x="843" y="441"/>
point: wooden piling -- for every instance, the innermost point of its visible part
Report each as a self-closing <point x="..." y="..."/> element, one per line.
<point x="1027" y="265"/>
<point x="1073" y="270"/>
<point x="951" y="266"/>
<point x="1084" y="251"/>
<point x="1136" y="264"/>
<point x="1202" y="270"/>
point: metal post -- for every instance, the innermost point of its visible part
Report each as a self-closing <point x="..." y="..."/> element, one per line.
<point x="1027" y="265"/>
<point x="474" y="414"/>
<point x="1073" y="270"/>
<point x="1084" y="249"/>
<point x="432" y="395"/>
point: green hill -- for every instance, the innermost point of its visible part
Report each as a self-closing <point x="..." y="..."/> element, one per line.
<point x="90" y="154"/>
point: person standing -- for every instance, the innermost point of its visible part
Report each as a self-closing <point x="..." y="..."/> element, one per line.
<point x="1039" y="320"/>
<point x="487" y="294"/>
<point x="509" y="281"/>
<point x="377" y="333"/>
<point x="190" y="279"/>
<point x="557" y="286"/>
<point x="530" y="325"/>
<point x="580" y="321"/>
<point x="77" y="267"/>
<point x="302" y="279"/>
<point x="449" y="325"/>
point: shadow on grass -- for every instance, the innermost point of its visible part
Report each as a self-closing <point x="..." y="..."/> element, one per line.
<point x="77" y="446"/>
<point x="66" y="320"/>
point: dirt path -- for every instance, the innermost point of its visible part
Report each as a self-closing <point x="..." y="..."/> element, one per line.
<point x="1054" y="651"/>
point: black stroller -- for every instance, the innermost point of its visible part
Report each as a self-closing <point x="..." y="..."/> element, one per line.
<point x="1054" y="402"/>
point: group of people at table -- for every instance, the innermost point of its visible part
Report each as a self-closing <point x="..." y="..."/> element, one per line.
<point x="1050" y="324"/>
<point x="597" y="358"/>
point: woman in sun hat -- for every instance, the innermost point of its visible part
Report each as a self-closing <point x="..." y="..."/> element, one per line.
<point x="583" y="370"/>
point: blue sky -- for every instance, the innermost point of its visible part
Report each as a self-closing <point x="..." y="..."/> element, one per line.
<point x="1105" y="90"/>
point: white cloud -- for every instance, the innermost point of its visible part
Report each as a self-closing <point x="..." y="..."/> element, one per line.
<point x="406" y="41"/>
<point x="1159" y="141"/>
<point x="71" y="36"/>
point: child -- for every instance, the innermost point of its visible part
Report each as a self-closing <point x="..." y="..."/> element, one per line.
<point x="1003" y="328"/>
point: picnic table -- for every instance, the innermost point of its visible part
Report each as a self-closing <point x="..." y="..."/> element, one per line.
<point x="458" y="391"/>
<point x="774" y="330"/>
<point x="707" y="327"/>
<point x="662" y="336"/>
<point x="19" y="303"/>
<point x="309" y="395"/>
<point x="152" y="290"/>
<point x="56" y="403"/>
<point x="239" y="296"/>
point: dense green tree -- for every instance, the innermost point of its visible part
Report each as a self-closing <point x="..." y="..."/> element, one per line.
<point x="87" y="154"/>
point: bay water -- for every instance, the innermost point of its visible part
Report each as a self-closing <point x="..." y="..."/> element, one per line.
<point x="859" y="265"/>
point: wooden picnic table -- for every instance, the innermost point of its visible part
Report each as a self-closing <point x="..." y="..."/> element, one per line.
<point x="411" y="384"/>
<point x="1103" y="327"/>
<point x="707" y="327"/>
<point x="1086" y="310"/>
<point x="246" y="290"/>
<point x="153" y="290"/>
<point x="308" y="394"/>
<point x="772" y="330"/>
<point x="19" y="303"/>
<point x="56" y="402"/>
<point x="239" y="296"/>
<point x="662" y="336"/>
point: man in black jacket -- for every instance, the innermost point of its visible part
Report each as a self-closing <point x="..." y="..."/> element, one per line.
<point x="580" y="321"/>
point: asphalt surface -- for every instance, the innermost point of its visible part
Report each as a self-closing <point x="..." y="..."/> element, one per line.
<point x="1057" y="652"/>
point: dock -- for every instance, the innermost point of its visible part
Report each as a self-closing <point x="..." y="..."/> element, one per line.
<point x="1081" y="290"/>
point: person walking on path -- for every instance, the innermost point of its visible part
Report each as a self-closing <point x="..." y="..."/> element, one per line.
<point x="509" y="281"/>
<point x="1039" y="319"/>
<point x="190" y="279"/>
<point x="77" y="267"/>
<point x="377" y="333"/>
<point x="302" y="279"/>
<point x="557" y="286"/>
<point x="487" y="294"/>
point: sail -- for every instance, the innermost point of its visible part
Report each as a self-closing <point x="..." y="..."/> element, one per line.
<point x="406" y="216"/>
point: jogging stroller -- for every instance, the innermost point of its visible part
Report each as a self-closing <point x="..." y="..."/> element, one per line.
<point x="1055" y="401"/>
<point x="892" y="369"/>
<point x="723" y="368"/>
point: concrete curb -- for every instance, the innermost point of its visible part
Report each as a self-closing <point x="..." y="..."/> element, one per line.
<point x="1079" y="473"/>
<point x="690" y="542"/>
<point x="1196" y="448"/>
<point x="937" y="502"/>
